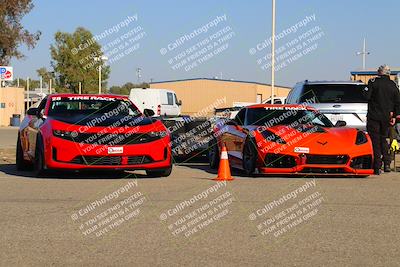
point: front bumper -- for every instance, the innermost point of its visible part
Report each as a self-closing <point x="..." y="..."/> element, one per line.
<point x="298" y="164"/>
<point x="64" y="154"/>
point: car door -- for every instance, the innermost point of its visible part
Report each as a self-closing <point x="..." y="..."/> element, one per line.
<point x="169" y="107"/>
<point x="239" y="138"/>
<point x="32" y="129"/>
<point x="176" y="108"/>
<point x="235" y="136"/>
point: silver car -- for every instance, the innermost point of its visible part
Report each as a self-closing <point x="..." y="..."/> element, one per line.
<point x="338" y="100"/>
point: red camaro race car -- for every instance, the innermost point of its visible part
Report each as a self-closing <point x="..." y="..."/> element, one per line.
<point x="291" y="139"/>
<point x="76" y="132"/>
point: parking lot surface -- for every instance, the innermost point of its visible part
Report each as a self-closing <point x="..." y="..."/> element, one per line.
<point x="51" y="220"/>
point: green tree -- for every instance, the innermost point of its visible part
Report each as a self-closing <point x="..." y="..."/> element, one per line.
<point x="75" y="58"/>
<point x="33" y="84"/>
<point x="126" y="88"/>
<point x="12" y="33"/>
<point x="115" y="90"/>
<point x="45" y="74"/>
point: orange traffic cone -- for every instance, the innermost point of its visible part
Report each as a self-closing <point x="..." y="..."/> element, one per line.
<point x="224" y="172"/>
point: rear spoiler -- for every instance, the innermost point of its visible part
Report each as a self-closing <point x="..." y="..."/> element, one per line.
<point x="219" y="110"/>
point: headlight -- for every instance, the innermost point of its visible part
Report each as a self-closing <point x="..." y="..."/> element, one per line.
<point x="361" y="138"/>
<point x="160" y="134"/>
<point x="270" y="136"/>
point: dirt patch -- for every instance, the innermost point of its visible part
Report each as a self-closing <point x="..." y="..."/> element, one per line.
<point x="7" y="155"/>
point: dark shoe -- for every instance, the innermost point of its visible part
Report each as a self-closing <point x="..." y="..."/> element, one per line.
<point x="377" y="171"/>
<point x="386" y="168"/>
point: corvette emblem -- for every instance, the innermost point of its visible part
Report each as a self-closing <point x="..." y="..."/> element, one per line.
<point x="322" y="143"/>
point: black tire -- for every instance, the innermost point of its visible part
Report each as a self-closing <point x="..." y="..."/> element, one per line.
<point x="22" y="164"/>
<point x="39" y="164"/>
<point x="249" y="156"/>
<point x="159" y="173"/>
<point x="213" y="154"/>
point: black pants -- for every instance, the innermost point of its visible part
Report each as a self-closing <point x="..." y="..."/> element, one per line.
<point x="378" y="131"/>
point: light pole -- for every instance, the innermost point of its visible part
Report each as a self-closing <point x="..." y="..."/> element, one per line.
<point x="139" y="74"/>
<point x="41" y="86"/>
<point x="50" y="85"/>
<point x="273" y="54"/>
<point x="27" y="94"/>
<point x="364" y="54"/>
<point x="101" y="60"/>
<point x="50" y="82"/>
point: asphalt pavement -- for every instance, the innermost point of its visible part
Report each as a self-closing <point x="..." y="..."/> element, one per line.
<point x="114" y="219"/>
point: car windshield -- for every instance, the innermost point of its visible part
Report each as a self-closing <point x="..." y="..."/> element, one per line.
<point x="285" y="116"/>
<point x="334" y="93"/>
<point x="91" y="105"/>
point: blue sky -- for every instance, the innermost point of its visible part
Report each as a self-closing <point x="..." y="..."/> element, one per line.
<point x="344" y="24"/>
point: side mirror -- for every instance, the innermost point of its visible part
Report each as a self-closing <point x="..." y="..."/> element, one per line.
<point x="340" y="124"/>
<point x="179" y="102"/>
<point x="32" y="111"/>
<point x="148" y="112"/>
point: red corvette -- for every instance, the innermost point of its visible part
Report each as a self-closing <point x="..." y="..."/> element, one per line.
<point x="76" y="132"/>
<point x="291" y="139"/>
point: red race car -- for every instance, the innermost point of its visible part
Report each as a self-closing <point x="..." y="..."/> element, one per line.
<point x="291" y="139"/>
<point x="76" y="132"/>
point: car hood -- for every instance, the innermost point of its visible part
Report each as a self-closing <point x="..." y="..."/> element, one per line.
<point x="318" y="140"/>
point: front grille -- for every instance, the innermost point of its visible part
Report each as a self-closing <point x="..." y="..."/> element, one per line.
<point x="363" y="162"/>
<point x="111" y="139"/>
<point x="326" y="159"/>
<point x="111" y="160"/>
<point x="279" y="161"/>
<point x="138" y="160"/>
<point x="323" y="170"/>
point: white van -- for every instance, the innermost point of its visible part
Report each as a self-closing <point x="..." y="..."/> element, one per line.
<point x="162" y="101"/>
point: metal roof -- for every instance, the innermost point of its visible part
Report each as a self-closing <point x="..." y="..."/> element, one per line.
<point x="219" y="80"/>
<point x="373" y="72"/>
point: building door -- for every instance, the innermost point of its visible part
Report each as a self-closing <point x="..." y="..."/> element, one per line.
<point x="259" y="98"/>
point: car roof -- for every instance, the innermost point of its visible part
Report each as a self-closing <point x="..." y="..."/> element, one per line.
<point x="334" y="82"/>
<point x="98" y="95"/>
<point x="288" y="106"/>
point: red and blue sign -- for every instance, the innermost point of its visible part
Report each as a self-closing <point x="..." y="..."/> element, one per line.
<point x="6" y="73"/>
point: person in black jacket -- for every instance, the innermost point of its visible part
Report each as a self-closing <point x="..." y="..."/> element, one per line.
<point x="383" y="101"/>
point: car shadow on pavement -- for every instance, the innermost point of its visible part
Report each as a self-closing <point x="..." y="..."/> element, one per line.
<point x="201" y="163"/>
<point x="238" y="173"/>
<point x="11" y="169"/>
